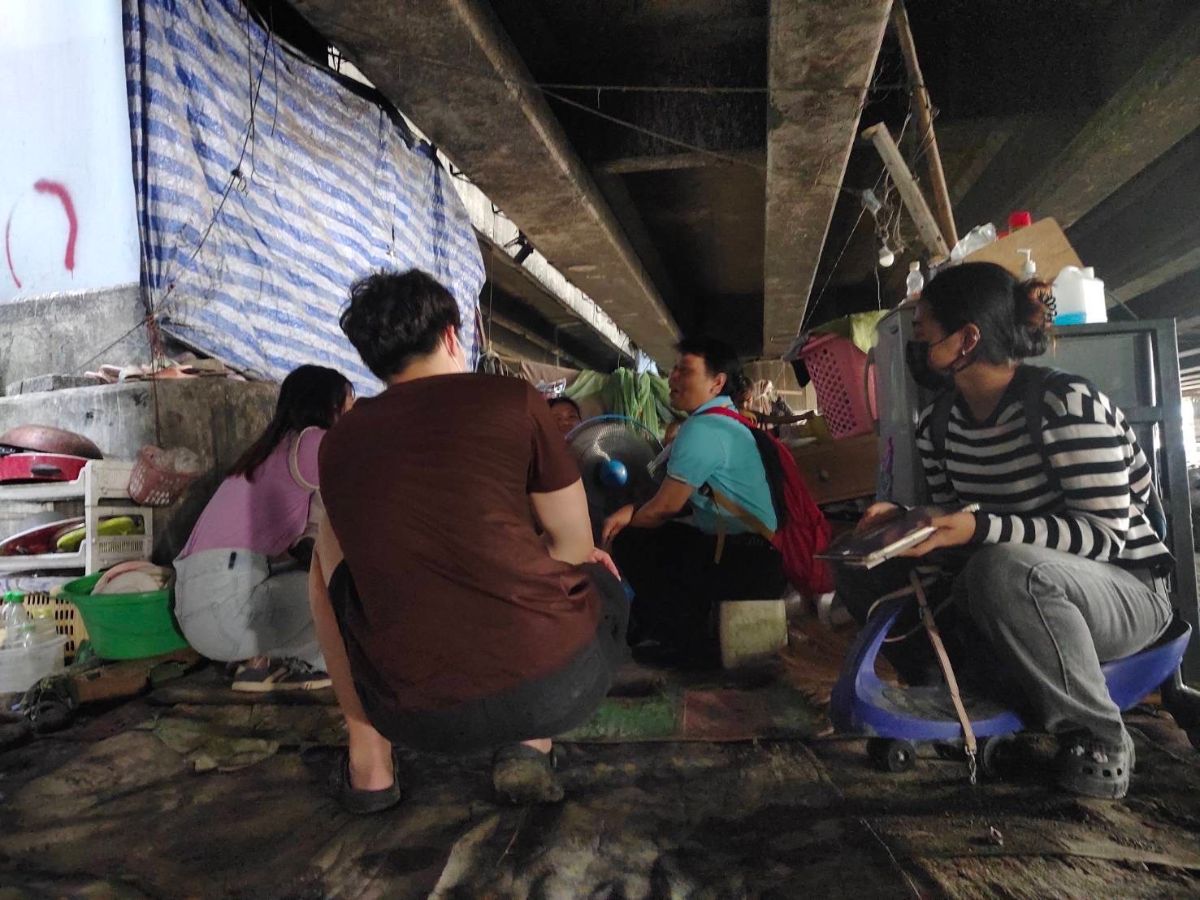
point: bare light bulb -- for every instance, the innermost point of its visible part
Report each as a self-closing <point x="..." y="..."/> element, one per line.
<point x="886" y="256"/>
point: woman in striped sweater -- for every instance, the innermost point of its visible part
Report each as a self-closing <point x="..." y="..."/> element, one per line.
<point x="1054" y="572"/>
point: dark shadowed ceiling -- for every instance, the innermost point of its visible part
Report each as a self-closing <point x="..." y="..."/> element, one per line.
<point x="1085" y="110"/>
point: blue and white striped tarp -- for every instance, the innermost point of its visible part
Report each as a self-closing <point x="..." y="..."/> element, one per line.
<point x="329" y="190"/>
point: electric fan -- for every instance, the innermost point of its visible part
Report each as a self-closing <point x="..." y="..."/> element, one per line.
<point x="615" y="454"/>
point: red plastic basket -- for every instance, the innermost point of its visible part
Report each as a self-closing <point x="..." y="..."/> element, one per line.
<point x="153" y="483"/>
<point x="845" y="393"/>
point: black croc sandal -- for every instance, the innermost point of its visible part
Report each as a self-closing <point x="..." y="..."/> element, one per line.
<point x="1086" y="767"/>
<point x="359" y="802"/>
<point x="50" y="704"/>
<point x="522" y="774"/>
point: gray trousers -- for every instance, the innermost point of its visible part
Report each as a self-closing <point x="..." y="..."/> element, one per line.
<point x="232" y="605"/>
<point x="1047" y="620"/>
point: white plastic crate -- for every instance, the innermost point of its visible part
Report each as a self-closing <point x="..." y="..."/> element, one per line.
<point x="108" y="551"/>
<point x="104" y="487"/>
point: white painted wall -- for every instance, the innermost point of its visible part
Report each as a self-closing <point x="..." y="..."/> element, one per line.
<point x="67" y="211"/>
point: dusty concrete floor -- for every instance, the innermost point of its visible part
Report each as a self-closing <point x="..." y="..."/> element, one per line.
<point x="114" y="807"/>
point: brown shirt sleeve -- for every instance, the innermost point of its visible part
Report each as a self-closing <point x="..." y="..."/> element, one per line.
<point x="551" y="465"/>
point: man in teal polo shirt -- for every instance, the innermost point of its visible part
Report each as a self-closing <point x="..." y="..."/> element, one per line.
<point x="668" y="548"/>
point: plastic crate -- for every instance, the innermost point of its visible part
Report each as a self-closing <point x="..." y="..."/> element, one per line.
<point x="845" y="395"/>
<point x="67" y="620"/>
<point x="121" y="548"/>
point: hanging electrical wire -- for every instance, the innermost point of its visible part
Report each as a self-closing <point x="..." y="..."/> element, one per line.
<point x="813" y="306"/>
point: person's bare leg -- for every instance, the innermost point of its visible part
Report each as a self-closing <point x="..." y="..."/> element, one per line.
<point x="370" y="752"/>
<point x="542" y="745"/>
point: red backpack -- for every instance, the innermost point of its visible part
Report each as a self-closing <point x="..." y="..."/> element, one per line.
<point x="803" y="530"/>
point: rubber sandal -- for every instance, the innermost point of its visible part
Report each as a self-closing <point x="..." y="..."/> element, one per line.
<point x="360" y="802"/>
<point x="522" y="774"/>
<point x="1088" y="768"/>
<point x="50" y="704"/>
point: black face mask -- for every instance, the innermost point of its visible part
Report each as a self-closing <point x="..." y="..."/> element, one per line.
<point x="916" y="357"/>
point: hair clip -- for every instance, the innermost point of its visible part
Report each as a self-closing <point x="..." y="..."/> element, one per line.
<point x="1050" y="304"/>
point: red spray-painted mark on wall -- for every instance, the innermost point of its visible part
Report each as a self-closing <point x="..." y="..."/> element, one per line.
<point x="8" y="252"/>
<point x="59" y="190"/>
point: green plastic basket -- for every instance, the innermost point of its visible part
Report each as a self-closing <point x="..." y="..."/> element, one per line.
<point x="125" y="626"/>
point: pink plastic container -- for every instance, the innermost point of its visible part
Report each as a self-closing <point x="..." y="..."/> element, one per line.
<point x="845" y="392"/>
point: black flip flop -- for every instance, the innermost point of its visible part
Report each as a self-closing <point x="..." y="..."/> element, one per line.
<point x="360" y="802"/>
<point x="522" y="774"/>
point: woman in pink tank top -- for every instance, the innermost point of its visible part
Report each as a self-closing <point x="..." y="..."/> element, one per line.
<point x="242" y="582"/>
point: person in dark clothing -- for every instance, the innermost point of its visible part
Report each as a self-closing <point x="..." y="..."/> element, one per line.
<point x="678" y="577"/>
<point x="447" y="623"/>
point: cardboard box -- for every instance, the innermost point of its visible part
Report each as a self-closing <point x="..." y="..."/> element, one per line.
<point x="1051" y="250"/>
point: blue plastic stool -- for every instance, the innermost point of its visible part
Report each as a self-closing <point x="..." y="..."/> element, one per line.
<point x="897" y="718"/>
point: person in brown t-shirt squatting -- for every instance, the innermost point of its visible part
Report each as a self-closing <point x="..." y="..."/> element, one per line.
<point x="447" y="623"/>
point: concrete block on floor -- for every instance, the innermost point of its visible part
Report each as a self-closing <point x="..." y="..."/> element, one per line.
<point x="751" y="630"/>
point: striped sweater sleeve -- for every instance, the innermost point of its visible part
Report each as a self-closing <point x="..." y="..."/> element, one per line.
<point x="1086" y="445"/>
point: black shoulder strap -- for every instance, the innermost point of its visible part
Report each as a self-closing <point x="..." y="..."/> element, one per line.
<point x="939" y="423"/>
<point x="1033" y="379"/>
<point x="1033" y="395"/>
<point x="1033" y="401"/>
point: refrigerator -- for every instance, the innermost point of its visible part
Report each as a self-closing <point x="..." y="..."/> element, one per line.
<point x="1135" y="363"/>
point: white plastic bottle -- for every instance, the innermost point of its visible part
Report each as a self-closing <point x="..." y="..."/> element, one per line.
<point x="14" y="622"/>
<point x="915" y="282"/>
<point x="1079" y="297"/>
<point x="1029" y="269"/>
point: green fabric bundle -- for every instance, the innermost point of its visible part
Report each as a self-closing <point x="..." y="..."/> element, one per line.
<point x="642" y="397"/>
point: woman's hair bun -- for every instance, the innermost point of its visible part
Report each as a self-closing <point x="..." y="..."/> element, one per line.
<point x="1034" y="308"/>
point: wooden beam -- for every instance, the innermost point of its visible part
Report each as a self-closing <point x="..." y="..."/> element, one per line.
<point x="1148" y="115"/>
<point x="669" y="162"/>
<point x="927" y="139"/>
<point x="914" y="200"/>
<point x="813" y="46"/>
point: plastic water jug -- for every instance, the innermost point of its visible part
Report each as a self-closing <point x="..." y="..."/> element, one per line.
<point x="1079" y="297"/>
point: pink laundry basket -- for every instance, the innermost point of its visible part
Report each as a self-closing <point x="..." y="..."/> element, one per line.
<point x="154" y="481"/>
<point x="845" y="390"/>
